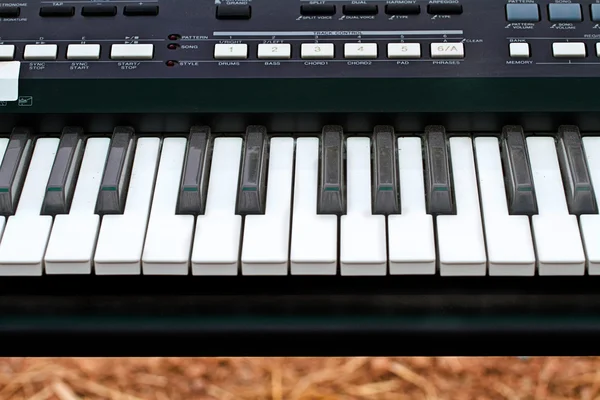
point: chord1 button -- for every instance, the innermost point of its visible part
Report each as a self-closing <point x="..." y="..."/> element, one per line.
<point x="317" y="50"/>
<point x="360" y="50"/>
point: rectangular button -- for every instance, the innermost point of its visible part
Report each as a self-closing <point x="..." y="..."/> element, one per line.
<point x="360" y="50"/>
<point x="9" y="80"/>
<point x="519" y="50"/>
<point x="275" y="51"/>
<point x="234" y="51"/>
<point x="83" y="52"/>
<point x="404" y="50"/>
<point x="99" y="11"/>
<point x="317" y="9"/>
<point x="444" y="9"/>
<point x="234" y="11"/>
<point x="7" y="52"/>
<point x="10" y="12"/>
<point x="564" y="12"/>
<point x="447" y="50"/>
<point x="402" y="9"/>
<point x="132" y="51"/>
<point x="522" y="13"/>
<point x="595" y="11"/>
<point x="569" y="50"/>
<point x="40" y="52"/>
<point x="57" y="11"/>
<point x="360" y="9"/>
<point x="140" y="10"/>
<point x="317" y="50"/>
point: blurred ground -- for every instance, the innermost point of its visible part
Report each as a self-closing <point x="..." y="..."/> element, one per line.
<point x="300" y="378"/>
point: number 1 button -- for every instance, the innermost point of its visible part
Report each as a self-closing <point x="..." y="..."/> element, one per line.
<point x="275" y="51"/>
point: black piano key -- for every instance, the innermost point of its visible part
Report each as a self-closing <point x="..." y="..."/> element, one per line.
<point x="13" y="169"/>
<point x="386" y="189"/>
<point x="194" y="182"/>
<point x="113" y="188"/>
<point x="438" y="185"/>
<point x="331" y="194"/>
<point x="575" y="173"/>
<point x="252" y="191"/>
<point x="517" y="172"/>
<point x="63" y="176"/>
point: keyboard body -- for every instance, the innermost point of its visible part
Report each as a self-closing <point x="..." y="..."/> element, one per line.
<point x="161" y="68"/>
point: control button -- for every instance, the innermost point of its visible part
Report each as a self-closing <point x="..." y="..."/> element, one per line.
<point x="234" y="11"/>
<point x="564" y="12"/>
<point x="228" y="51"/>
<point x="568" y="50"/>
<point x="522" y="13"/>
<point x="317" y="50"/>
<point x="83" y="52"/>
<point x="402" y="9"/>
<point x="277" y="51"/>
<point x="447" y="50"/>
<point x="40" y="52"/>
<point x="445" y="9"/>
<point x="598" y="49"/>
<point x="360" y="9"/>
<point x="10" y="12"/>
<point x="595" y="11"/>
<point x="9" y="80"/>
<point x="7" y="52"/>
<point x="404" y="50"/>
<point x="132" y="51"/>
<point x="99" y="11"/>
<point x="57" y="11"/>
<point x="317" y="9"/>
<point x="360" y="50"/>
<point x="140" y="10"/>
<point x="519" y="50"/>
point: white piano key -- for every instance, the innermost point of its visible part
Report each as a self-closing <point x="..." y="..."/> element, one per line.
<point x="265" y="245"/>
<point x="216" y="246"/>
<point x="73" y="238"/>
<point x="121" y="237"/>
<point x="362" y="234"/>
<point x="26" y="233"/>
<point x="411" y="241"/>
<point x="169" y="236"/>
<point x="590" y="224"/>
<point x="460" y="237"/>
<point x="555" y="232"/>
<point x="508" y="237"/>
<point x="3" y="146"/>
<point x="314" y="237"/>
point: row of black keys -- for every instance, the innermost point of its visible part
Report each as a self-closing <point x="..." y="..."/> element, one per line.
<point x="253" y="175"/>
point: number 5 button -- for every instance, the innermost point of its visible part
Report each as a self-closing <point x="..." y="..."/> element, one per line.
<point x="317" y="50"/>
<point x="275" y="51"/>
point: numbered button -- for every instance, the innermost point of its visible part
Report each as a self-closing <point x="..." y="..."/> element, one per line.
<point x="317" y="50"/>
<point x="447" y="50"/>
<point x="228" y="51"/>
<point x="404" y="50"/>
<point x="275" y="51"/>
<point x="360" y="50"/>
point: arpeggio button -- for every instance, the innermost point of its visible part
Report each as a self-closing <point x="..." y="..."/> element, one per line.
<point x="40" y="52"/>
<point x="522" y="13"/>
<point x="132" y="51"/>
<point x="234" y="11"/>
<point x="568" y="50"/>
<point x="447" y="50"/>
<point x="444" y="9"/>
<point x="83" y="52"/>
<point x="564" y="12"/>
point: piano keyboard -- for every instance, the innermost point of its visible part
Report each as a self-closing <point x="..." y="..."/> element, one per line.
<point x="263" y="203"/>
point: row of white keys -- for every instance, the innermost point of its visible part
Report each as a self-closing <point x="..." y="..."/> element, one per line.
<point x="26" y="233"/>
<point x="73" y="238"/>
<point x="555" y="232"/>
<point x="508" y="237"/>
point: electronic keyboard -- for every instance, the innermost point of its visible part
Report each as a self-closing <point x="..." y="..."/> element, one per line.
<point x="270" y="178"/>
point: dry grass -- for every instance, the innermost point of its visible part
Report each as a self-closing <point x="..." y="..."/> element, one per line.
<point x="300" y="378"/>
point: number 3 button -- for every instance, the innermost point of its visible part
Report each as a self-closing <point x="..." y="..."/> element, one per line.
<point x="276" y="51"/>
<point x="317" y="50"/>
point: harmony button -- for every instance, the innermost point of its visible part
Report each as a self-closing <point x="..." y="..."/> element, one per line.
<point x="569" y="50"/>
<point x="317" y="50"/>
<point x="360" y="50"/>
<point x="40" y="52"/>
<point x="83" y="52"/>
<point x="227" y="51"/>
<point x="447" y="50"/>
<point x="132" y="51"/>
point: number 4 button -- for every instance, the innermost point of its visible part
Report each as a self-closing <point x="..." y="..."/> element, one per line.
<point x="275" y="51"/>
